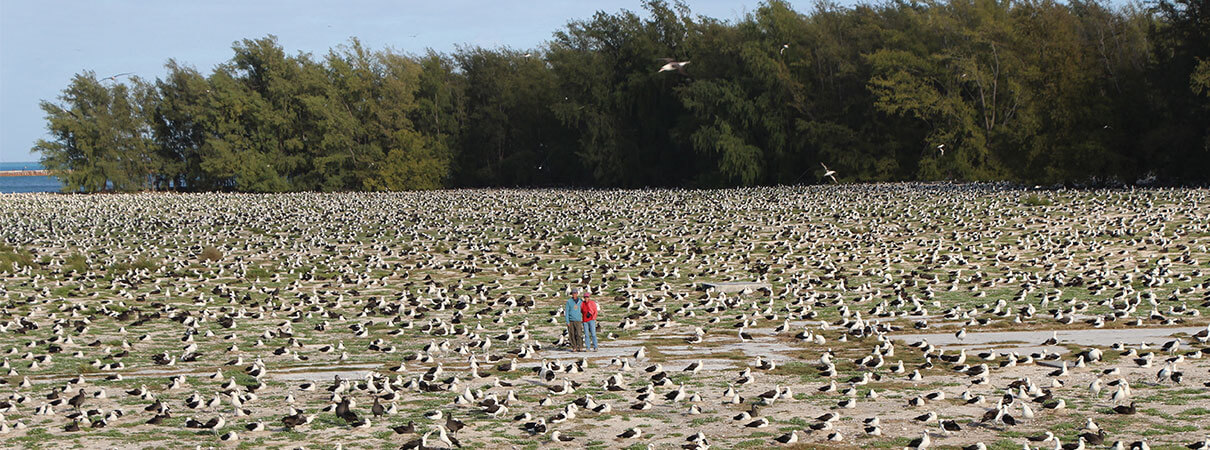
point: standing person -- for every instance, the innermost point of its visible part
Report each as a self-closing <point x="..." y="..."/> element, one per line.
<point x="588" y="311"/>
<point x="574" y="319"/>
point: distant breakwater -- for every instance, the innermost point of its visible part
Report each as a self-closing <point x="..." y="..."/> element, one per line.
<point x="24" y="173"/>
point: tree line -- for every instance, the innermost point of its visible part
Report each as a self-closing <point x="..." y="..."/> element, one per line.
<point x="1032" y="91"/>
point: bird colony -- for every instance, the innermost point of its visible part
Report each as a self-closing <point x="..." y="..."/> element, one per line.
<point x="896" y="316"/>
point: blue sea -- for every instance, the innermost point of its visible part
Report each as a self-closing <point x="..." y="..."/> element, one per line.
<point x="27" y="184"/>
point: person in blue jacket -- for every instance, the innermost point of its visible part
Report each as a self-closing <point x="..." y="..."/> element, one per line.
<point x="575" y="320"/>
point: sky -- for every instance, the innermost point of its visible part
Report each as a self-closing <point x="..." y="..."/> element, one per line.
<point x="43" y="43"/>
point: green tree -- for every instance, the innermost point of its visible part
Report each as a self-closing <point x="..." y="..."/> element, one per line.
<point x="440" y="97"/>
<point x="262" y="114"/>
<point x="510" y="134"/>
<point x="625" y="115"/>
<point x="176" y="109"/>
<point x="1036" y="91"/>
<point x="98" y="138"/>
<point x="1180" y="132"/>
<point x="399" y="156"/>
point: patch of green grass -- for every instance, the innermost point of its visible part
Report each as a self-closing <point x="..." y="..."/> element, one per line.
<point x="703" y="420"/>
<point x="571" y="239"/>
<point x="796" y="421"/>
<point x="1163" y="429"/>
<point x="900" y="442"/>
<point x="1032" y="200"/>
<point x="1195" y="412"/>
<point x="75" y="262"/>
<point x="13" y="258"/>
<point x="806" y="372"/>
<point x="140" y="263"/>
<point x="257" y="273"/>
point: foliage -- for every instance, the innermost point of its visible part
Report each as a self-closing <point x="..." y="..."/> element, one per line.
<point x="1029" y="91"/>
<point x="1035" y="200"/>
<point x="1200" y="80"/>
<point x="571" y="239"/>
<point x="14" y="258"/>
<point x="140" y="263"/>
<point x="210" y="254"/>
<point x="75" y="262"/>
<point x="98" y="138"/>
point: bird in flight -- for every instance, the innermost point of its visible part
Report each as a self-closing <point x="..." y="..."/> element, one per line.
<point x="670" y="64"/>
<point x="115" y="77"/>
<point x="829" y="173"/>
<point x="941" y="148"/>
<point x="783" y="49"/>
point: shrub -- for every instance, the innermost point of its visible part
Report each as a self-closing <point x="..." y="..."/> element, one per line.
<point x="211" y="254"/>
<point x="257" y="273"/>
<point x="10" y="256"/>
<point x="75" y="262"/>
<point x="140" y="263"/>
<point x="1035" y="200"/>
<point x="145" y="263"/>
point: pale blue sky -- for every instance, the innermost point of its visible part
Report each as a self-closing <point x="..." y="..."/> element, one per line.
<point x="44" y="42"/>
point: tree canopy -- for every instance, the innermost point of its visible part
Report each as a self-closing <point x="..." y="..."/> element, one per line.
<point x="1033" y="91"/>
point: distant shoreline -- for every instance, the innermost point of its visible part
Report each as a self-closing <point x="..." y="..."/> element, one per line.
<point x="24" y="173"/>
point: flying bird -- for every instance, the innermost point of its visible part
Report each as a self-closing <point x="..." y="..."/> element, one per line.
<point x="671" y="64"/>
<point x="115" y="77"/>
<point x="829" y="172"/>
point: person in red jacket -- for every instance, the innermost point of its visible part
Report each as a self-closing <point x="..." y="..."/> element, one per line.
<point x="588" y="310"/>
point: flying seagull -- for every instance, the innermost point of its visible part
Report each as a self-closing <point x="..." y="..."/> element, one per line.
<point x="783" y="49"/>
<point x="670" y="64"/>
<point x="115" y="77"/>
<point x="829" y="173"/>
<point x="941" y="148"/>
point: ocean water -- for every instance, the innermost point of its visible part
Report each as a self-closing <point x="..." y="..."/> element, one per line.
<point x="20" y="166"/>
<point x="10" y="185"/>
